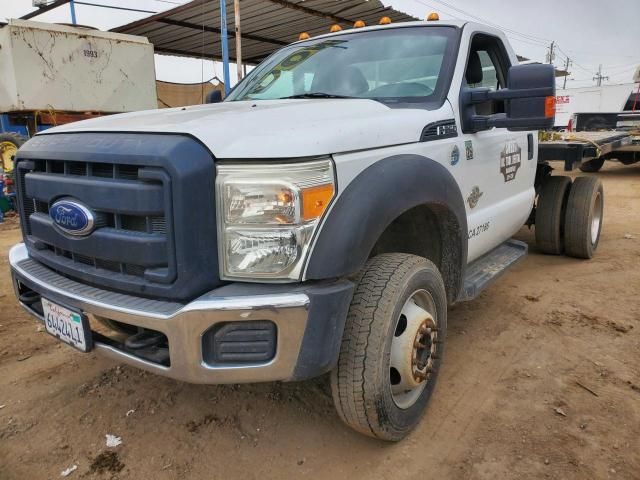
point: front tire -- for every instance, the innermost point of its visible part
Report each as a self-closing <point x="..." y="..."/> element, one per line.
<point x="392" y="346"/>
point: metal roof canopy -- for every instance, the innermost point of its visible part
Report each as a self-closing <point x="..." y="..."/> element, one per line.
<point x="194" y="30"/>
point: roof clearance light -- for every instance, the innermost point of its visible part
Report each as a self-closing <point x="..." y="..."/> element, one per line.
<point x="385" y="21"/>
<point x="304" y="36"/>
<point x="335" y="28"/>
<point x="359" y="24"/>
<point x="433" y="17"/>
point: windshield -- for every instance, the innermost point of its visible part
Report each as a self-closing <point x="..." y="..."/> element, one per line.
<point x="399" y="64"/>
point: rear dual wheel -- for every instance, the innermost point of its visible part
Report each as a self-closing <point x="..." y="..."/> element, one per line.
<point x="550" y="214"/>
<point x="392" y="346"/>
<point x="592" y="166"/>
<point x="583" y="220"/>
<point x="569" y="216"/>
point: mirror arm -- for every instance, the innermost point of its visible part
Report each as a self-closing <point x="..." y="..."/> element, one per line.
<point x="500" y="120"/>
<point x="481" y="95"/>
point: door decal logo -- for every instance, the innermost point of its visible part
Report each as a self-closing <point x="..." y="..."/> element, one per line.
<point x="468" y="147"/>
<point x="474" y="197"/>
<point x="455" y="155"/>
<point x="510" y="160"/>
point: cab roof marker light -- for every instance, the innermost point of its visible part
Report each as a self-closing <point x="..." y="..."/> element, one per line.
<point x="359" y="24"/>
<point x="385" y="21"/>
<point x="304" y="36"/>
<point x="335" y="28"/>
<point x="433" y="17"/>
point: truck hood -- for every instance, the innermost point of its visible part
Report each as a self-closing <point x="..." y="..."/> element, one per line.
<point x="275" y="128"/>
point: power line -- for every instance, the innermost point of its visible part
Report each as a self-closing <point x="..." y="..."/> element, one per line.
<point x="489" y="22"/>
<point x="554" y="49"/>
<point x="113" y="7"/>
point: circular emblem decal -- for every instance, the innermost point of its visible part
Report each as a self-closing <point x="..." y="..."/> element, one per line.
<point x="455" y="155"/>
<point x="72" y="217"/>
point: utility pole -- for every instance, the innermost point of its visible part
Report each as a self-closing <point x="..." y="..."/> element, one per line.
<point x="551" y="55"/>
<point x="599" y="77"/>
<point x="566" y="71"/>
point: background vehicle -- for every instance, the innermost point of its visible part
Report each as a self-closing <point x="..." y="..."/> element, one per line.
<point x="321" y="218"/>
<point x="56" y="74"/>
<point x="616" y="136"/>
<point x="594" y="100"/>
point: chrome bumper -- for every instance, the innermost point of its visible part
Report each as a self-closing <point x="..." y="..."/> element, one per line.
<point x="185" y="324"/>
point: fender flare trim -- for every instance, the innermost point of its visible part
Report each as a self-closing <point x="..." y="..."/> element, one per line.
<point x="374" y="199"/>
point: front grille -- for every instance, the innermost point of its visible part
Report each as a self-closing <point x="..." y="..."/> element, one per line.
<point x="153" y="199"/>
<point x="40" y="179"/>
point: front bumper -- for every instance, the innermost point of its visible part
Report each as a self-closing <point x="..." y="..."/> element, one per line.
<point x="309" y="321"/>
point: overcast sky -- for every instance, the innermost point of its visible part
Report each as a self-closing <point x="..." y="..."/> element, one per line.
<point x="590" y="32"/>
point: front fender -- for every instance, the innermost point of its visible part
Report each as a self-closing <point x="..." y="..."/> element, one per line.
<point x="377" y="196"/>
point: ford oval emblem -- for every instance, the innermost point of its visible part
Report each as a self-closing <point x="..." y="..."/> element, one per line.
<point x="72" y="217"/>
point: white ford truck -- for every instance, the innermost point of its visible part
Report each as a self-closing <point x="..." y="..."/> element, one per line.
<point x="320" y="219"/>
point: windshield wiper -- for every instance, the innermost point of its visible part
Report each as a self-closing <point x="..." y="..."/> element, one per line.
<point x="315" y="95"/>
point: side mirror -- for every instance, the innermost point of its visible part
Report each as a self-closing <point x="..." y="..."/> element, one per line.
<point x="530" y="101"/>
<point x="214" y="96"/>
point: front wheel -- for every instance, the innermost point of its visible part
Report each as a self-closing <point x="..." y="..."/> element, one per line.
<point x="392" y="346"/>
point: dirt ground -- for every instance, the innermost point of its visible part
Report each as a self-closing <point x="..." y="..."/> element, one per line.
<point x="541" y="380"/>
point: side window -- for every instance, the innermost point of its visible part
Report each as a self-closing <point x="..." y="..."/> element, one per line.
<point x="487" y="67"/>
<point x="489" y="72"/>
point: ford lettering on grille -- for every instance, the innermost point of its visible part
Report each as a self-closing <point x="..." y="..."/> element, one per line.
<point x="72" y="217"/>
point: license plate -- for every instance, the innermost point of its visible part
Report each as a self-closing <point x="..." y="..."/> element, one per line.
<point x="67" y="325"/>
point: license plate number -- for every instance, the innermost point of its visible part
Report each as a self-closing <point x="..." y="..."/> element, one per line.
<point x="67" y="325"/>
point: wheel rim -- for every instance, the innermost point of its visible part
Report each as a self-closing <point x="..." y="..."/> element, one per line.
<point x="414" y="348"/>
<point x="596" y="219"/>
<point x="7" y="152"/>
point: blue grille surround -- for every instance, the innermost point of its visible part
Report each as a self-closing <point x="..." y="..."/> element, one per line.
<point x="154" y="201"/>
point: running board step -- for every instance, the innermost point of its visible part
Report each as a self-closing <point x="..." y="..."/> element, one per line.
<point x="487" y="269"/>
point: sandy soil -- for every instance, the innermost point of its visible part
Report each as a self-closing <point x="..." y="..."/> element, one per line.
<point x="541" y="380"/>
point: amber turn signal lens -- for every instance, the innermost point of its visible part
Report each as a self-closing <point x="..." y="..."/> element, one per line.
<point x="550" y="107"/>
<point x="433" y="16"/>
<point x="335" y="28"/>
<point x="315" y="201"/>
<point x="359" y="24"/>
<point x="385" y="21"/>
<point x="304" y="36"/>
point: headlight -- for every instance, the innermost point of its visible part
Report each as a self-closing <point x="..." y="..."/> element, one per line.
<point x="267" y="215"/>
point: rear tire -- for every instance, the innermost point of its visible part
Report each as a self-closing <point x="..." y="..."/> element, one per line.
<point x="592" y="166"/>
<point x="550" y="212"/>
<point x="583" y="220"/>
<point x="392" y="346"/>
<point x="9" y="144"/>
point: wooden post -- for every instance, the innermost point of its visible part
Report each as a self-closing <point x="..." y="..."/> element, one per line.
<point x="236" y="7"/>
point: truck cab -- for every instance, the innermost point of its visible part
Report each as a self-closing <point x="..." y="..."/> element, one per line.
<point x="320" y="219"/>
